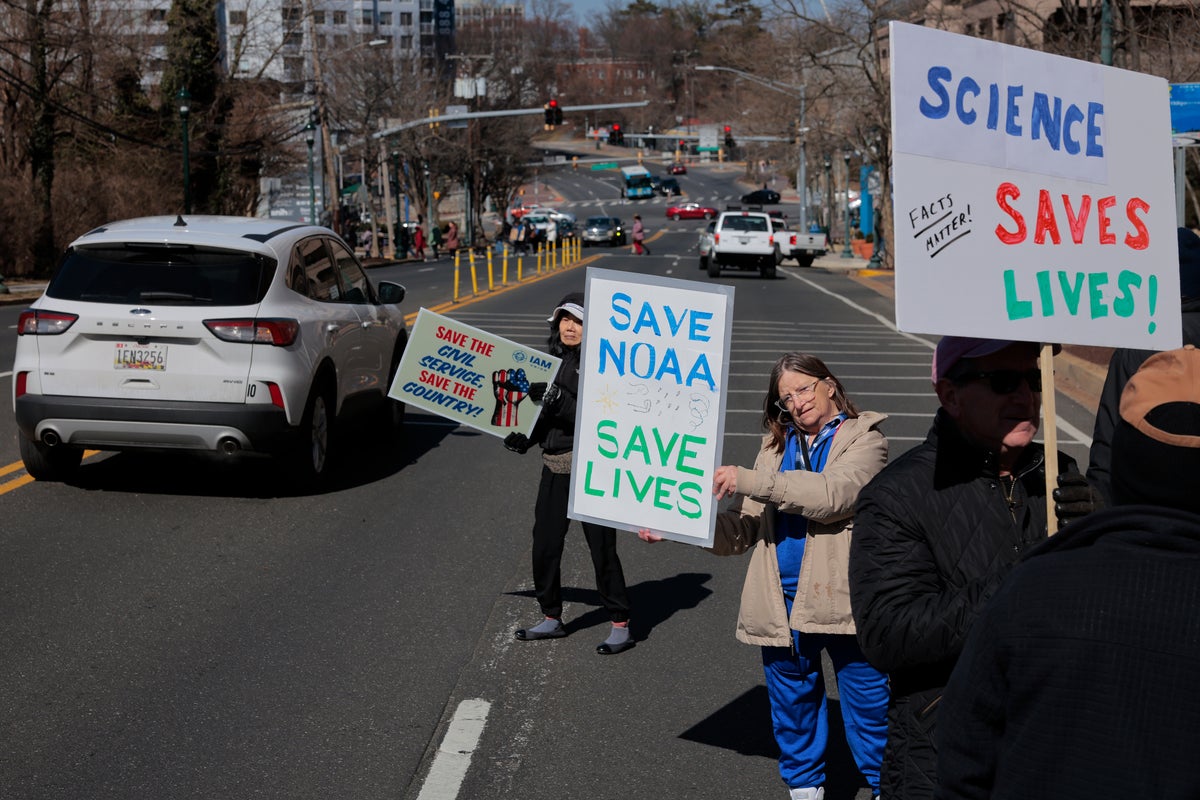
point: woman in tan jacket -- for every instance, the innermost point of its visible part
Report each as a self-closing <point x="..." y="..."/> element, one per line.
<point x="794" y="510"/>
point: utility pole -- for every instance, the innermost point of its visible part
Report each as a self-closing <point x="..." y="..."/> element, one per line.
<point x="799" y="93"/>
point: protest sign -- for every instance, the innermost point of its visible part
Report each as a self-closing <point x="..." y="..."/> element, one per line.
<point x="470" y="376"/>
<point x="651" y="414"/>
<point x="1033" y="195"/>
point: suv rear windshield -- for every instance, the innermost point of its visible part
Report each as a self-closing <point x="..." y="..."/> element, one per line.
<point x="756" y="224"/>
<point x="184" y="275"/>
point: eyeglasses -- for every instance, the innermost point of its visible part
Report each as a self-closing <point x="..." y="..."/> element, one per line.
<point x="786" y="402"/>
<point x="1005" y="381"/>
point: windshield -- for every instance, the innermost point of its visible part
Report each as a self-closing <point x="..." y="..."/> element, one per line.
<point x="174" y="274"/>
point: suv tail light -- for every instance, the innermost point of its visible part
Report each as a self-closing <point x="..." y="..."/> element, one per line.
<point x="276" y="332"/>
<point x="35" y="322"/>
<point x="22" y="384"/>
<point x="716" y="238"/>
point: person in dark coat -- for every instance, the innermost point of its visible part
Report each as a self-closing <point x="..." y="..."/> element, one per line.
<point x="555" y="432"/>
<point x="1125" y="362"/>
<point x="936" y="532"/>
<point x="1079" y="678"/>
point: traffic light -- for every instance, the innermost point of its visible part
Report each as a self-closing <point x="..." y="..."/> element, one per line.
<point x="557" y="109"/>
<point x="729" y="143"/>
<point x="550" y="109"/>
<point x="617" y="136"/>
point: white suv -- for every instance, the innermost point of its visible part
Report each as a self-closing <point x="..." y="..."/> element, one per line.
<point x="212" y="334"/>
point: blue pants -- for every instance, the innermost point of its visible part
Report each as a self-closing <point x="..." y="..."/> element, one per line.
<point x="799" y="712"/>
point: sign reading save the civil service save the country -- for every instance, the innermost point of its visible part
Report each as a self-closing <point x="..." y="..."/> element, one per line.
<point x="471" y="376"/>
<point x="1033" y="195"/>
<point x="650" y="417"/>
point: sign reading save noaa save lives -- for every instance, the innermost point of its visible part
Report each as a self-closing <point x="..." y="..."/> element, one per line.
<point x="471" y="376"/>
<point x="650" y="416"/>
<point x="1033" y="195"/>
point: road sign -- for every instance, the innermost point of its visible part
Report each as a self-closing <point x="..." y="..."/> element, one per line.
<point x="1185" y="107"/>
<point x="605" y="165"/>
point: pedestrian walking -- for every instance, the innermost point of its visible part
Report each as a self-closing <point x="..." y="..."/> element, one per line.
<point x="639" y="236"/>
<point x="419" y="242"/>
<point x="435" y="238"/>
<point x="937" y="531"/>
<point x="403" y="242"/>
<point x="555" y="432"/>
<point x="794" y="511"/>
<point x="1079" y="678"/>
<point x="451" y="238"/>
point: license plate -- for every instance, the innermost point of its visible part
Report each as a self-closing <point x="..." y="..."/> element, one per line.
<point x="130" y="355"/>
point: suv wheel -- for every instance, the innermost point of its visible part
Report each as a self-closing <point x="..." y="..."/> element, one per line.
<point x="714" y="267"/>
<point x="315" y="436"/>
<point x="768" y="270"/>
<point x="60" y="463"/>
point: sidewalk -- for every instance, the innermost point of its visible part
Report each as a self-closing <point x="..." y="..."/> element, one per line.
<point x="21" y="292"/>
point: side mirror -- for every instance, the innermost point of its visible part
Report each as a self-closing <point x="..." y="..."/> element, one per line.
<point x="391" y="293"/>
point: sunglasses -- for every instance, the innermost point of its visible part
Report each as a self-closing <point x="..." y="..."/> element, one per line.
<point x="1005" y="381"/>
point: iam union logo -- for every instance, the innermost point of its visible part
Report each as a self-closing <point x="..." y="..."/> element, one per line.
<point x="518" y="356"/>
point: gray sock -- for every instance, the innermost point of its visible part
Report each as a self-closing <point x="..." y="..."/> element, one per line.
<point x="547" y="625"/>
<point x="618" y="635"/>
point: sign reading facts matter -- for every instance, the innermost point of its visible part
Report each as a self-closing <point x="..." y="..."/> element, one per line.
<point x="471" y="376"/>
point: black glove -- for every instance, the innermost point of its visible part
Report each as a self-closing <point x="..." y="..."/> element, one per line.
<point x="537" y="391"/>
<point x="1075" y="498"/>
<point x="552" y="398"/>
<point x="517" y="442"/>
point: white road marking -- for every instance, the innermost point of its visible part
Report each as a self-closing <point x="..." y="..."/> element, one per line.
<point x="454" y="755"/>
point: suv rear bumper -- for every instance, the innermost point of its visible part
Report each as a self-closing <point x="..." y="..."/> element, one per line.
<point x="116" y="424"/>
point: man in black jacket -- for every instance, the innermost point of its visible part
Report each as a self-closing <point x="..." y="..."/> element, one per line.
<point x="1079" y="678"/>
<point x="1125" y="362"/>
<point x="936" y="532"/>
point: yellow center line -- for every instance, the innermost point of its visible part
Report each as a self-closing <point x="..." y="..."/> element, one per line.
<point x="26" y="478"/>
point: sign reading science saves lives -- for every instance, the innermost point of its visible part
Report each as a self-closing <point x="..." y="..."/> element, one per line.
<point x="1033" y="195"/>
<point x="650" y="417"/>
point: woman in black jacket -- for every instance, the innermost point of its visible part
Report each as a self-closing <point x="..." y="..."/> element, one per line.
<point x="555" y="432"/>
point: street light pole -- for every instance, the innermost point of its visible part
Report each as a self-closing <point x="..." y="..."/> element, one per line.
<point x="185" y="106"/>
<point x="309" y="138"/>
<point x="795" y="91"/>
<point x="828" y="195"/>
<point x="846" y="247"/>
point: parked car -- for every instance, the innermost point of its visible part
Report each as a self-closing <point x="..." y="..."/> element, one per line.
<point x="603" y="230"/>
<point x="691" y="211"/>
<point x="222" y="335"/>
<point x="761" y="196"/>
<point x="668" y="187"/>
<point x="678" y="168"/>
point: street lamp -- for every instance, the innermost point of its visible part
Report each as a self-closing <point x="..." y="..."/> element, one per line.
<point x="797" y="92"/>
<point x="309" y="137"/>
<point x="828" y="195"/>
<point x="185" y="107"/>
<point x="432" y="218"/>
<point x="846" y="247"/>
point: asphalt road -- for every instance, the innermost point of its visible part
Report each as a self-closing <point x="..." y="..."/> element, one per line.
<point x="180" y="627"/>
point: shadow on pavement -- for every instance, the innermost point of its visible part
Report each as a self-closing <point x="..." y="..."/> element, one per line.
<point x="258" y="476"/>
<point x="744" y="726"/>
<point x="653" y="602"/>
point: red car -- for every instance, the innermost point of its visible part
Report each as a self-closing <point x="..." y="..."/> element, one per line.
<point x="691" y="211"/>
<point x="678" y="169"/>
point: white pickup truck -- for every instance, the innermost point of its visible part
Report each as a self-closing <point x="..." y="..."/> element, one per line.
<point x="802" y="247"/>
<point x="742" y="240"/>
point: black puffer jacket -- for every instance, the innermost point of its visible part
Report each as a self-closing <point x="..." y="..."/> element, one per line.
<point x="555" y="428"/>
<point x="934" y="535"/>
